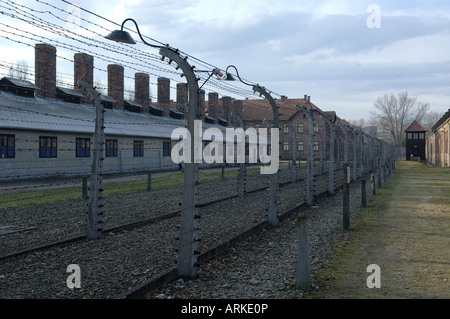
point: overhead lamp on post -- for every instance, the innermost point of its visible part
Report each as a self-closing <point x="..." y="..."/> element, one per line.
<point x="188" y="246"/>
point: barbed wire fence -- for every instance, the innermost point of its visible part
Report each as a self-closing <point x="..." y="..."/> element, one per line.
<point x="231" y="199"/>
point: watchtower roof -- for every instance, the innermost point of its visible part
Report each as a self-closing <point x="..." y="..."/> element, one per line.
<point x="416" y="127"/>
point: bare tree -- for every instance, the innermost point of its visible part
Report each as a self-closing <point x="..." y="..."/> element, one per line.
<point x="19" y="70"/>
<point x="395" y="112"/>
<point x="99" y="86"/>
<point x="430" y="119"/>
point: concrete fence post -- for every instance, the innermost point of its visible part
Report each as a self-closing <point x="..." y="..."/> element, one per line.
<point x="363" y="193"/>
<point x="304" y="272"/>
<point x="361" y="155"/>
<point x="95" y="213"/>
<point x="188" y="248"/>
<point x="310" y="167"/>
<point x="379" y="173"/>
<point x="274" y="184"/>
<point x="149" y="181"/>
<point x="355" y="157"/>
<point x="85" y="188"/>
<point x="346" y="198"/>
<point x="242" y="175"/>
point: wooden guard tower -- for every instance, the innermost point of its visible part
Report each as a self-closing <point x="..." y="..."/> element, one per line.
<point x="415" y="142"/>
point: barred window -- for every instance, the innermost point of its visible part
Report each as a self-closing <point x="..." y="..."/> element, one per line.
<point x="7" y="146"/>
<point x="48" y="146"/>
<point x="300" y="127"/>
<point x="286" y="146"/>
<point x="138" y="148"/>
<point x="83" y="147"/>
<point x="167" y="148"/>
<point x="316" y="146"/>
<point x="316" y="128"/>
<point x="112" y="148"/>
<point x="300" y="146"/>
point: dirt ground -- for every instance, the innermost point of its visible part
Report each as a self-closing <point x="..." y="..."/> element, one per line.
<point x="405" y="230"/>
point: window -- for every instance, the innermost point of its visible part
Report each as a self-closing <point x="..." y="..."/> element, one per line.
<point x="415" y="136"/>
<point x="286" y="128"/>
<point x="316" y="128"/>
<point x="112" y="148"/>
<point x="410" y="136"/>
<point x="316" y="146"/>
<point x="138" y="148"/>
<point x="422" y="136"/>
<point x="286" y="146"/>
<point x="300" y="127"/>
<point x="167" y="148"/>
<point x="7" y="146"/>
<point x="83" y="147"/>
<point x="300" y="146"/>
<point x="48" y="146"/>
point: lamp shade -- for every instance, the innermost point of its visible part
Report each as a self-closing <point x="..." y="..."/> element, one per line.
<point x="120" y="36"/>
<point x="229" y="77"/>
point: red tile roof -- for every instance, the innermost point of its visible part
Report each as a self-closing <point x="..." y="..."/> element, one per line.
<point x="416" y="127"/>
<point x="261" y="109"/>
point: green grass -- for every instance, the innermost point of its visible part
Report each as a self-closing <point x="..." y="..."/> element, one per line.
<point x="20" y="200"/>
<point x="404" y="229"/>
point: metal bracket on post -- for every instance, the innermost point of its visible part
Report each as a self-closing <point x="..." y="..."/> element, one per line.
<point x="188" y="244"/>
<point x="95" y="204"/>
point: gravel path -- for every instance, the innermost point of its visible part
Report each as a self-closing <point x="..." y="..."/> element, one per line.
<point x="265" y="265"/>
<point x="120" y="261"/>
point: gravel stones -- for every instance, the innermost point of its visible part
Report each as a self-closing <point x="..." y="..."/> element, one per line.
<point x="262" y="266"/>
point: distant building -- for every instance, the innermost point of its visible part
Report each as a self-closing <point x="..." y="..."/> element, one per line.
<point x="415" y="142"/>
<point x="438" y="142"/>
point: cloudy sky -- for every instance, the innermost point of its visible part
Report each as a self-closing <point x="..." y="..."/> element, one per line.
<point x="343" y="53"/>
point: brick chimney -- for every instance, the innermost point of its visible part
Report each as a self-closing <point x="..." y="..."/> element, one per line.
<point x="45" y="69"/>
<point x="164" y="94"/>
<point x="142" y="90"/>
<point x="226" y="107"/>
<point x="201" y="103"/>
<point x="116" y="85"/>
<point x="238" y="111"/>
<point x="213" y="104"/>
<point x="83" y="69"/>
<point x="182" y="98"/>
